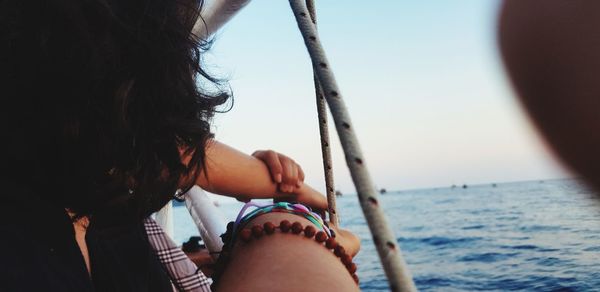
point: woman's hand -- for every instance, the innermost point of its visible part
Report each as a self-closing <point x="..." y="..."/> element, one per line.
<point x="284" y="170"/>
<point x="289" y="178"/>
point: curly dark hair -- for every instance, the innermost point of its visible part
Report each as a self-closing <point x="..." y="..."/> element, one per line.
<point x="99" y="97"/>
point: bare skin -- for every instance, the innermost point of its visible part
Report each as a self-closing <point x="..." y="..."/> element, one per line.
<point x="80" y="227"/>
<point x="287" y="262"/>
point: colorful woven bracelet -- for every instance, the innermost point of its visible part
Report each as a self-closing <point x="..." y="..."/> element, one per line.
<point x="283" y="207"/>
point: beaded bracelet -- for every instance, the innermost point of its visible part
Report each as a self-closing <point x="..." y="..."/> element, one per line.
<point x="324" y="236"/>
<point x="284" y="207"/>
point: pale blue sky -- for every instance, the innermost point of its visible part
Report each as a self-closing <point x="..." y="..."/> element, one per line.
<point x="422" y="80"/>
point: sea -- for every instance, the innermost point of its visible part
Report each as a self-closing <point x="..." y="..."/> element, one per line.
<point x="520" y="236"/>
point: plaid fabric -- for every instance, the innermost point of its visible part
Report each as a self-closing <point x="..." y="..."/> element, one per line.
<point x="183" y="272"/>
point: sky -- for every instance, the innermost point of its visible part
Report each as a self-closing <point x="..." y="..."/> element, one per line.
<point x="422" y="80"/>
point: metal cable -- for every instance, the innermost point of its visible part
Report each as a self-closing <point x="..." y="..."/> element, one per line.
<point x="395" y="268"/>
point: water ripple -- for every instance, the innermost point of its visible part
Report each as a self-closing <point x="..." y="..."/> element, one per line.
<point x="487" y="257"/>
<point x="440" y="241"/>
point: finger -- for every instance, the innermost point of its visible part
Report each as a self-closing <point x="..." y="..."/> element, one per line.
<point x="286" y="188"/>
<point x="300" y="176"/>
<point x="294" y="177"/>
<point x="291" y="189"/>
<point x="271" y="158"/>
<point x="288" y="171"/>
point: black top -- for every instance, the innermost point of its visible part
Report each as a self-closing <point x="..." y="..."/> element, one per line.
<point x="38" y="251"/>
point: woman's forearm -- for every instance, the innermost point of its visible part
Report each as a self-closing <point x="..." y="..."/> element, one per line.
<point x="232" y="173"/>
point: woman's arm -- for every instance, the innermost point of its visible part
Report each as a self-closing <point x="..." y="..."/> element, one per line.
<point x="232" y="173"/>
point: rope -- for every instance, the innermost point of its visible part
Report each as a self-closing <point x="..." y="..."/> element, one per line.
<point x="388" y="249"/>
<point x="324" y="132"/>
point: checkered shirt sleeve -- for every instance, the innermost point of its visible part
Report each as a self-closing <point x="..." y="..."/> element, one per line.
<point x="183" y="272"/>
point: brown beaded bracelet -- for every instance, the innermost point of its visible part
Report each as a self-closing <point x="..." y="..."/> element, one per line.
<point x="268" y="228"/>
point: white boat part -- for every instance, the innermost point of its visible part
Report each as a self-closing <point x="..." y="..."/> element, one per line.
<point x="208" y="218"/>
<point x="215" y="14"/>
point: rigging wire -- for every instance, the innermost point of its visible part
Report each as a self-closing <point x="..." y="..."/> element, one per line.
<point x="395" y="268"/>
<point x="324" y="132"/>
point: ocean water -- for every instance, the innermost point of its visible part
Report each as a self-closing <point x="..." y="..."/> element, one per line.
<point x="529" y="236"/>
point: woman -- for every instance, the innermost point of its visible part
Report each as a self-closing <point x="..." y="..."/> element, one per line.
<point x="102" y="124"/>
